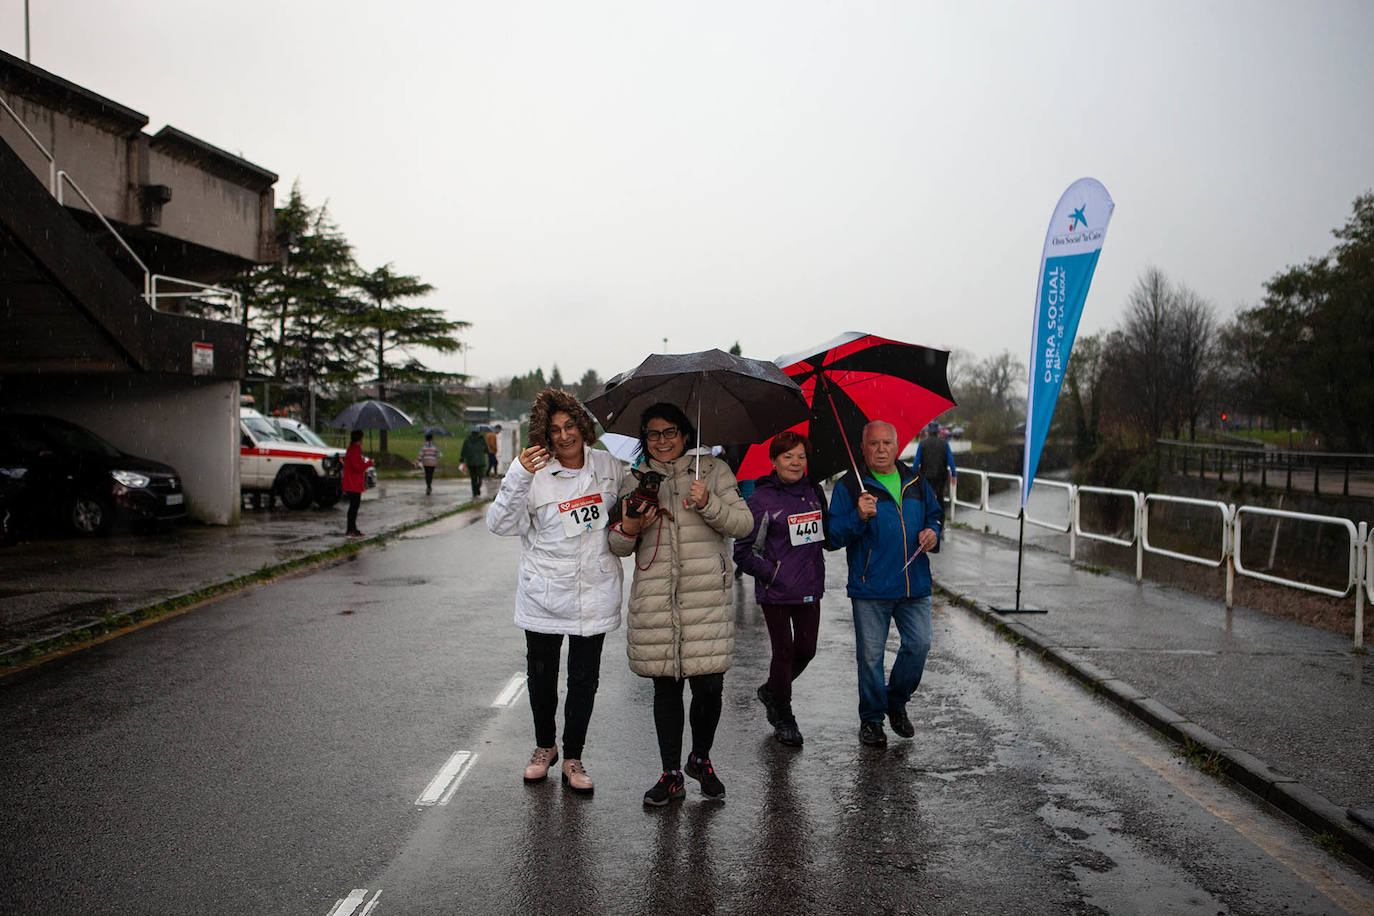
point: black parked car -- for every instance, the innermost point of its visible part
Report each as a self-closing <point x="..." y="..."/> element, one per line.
<point x="73" y="477"/>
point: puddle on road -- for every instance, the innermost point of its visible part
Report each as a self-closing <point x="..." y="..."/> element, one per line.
<point x="1142" y="885"/>
<point x="443" y="526"/>
<point x="393" y="582"/>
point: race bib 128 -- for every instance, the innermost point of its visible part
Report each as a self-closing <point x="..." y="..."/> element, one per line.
<point x="586" y="513"/>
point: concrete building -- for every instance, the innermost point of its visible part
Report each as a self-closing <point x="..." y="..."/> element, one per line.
<point x="111" y="241"/>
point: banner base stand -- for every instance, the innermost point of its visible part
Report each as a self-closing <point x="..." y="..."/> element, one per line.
<point x="1016" y="610"/>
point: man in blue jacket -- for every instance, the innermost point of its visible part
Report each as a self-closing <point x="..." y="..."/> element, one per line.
<point x="888" y="522"/>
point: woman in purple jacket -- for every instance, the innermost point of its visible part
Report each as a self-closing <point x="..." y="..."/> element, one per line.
<point x="783" y="554"/>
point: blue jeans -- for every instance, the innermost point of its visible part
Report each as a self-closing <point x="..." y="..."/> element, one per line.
<point x="872" y="619"/>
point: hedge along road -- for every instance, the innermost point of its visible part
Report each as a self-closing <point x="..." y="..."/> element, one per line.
<point x="352" y="740"/>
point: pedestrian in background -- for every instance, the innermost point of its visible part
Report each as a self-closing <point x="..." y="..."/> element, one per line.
<point x="492" y="447"/>
<point x="934" y="460"/>
<point x="784" y="554"/>
<point x="429" y="460"/>
<point x="557" y="498"/>
<point x="354" y="480"/>
<point x="681" y="624"/>
<point x="888" y="522"/>
<point x="474" y="455"/>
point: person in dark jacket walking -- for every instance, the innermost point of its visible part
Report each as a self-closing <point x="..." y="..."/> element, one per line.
<point x="474" y="455"/>
<point x="934" y="461"/>
<point x="784" y="555"/>
<point x="888" y="522"/>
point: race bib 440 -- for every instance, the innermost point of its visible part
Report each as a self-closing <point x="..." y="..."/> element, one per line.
<point x="586" y="513"/>
<point x="805" y="528"/>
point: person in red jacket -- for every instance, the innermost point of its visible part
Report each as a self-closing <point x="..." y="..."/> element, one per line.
<point x="355" y="479"/>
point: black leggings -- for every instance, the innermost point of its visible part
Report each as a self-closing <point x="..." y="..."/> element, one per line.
<point x="541" y="680"/>
<point x="353" y="500"/>
<point x="704" y="715"/>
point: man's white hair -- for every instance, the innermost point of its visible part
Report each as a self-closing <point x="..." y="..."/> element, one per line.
<point x="875" y="423"/>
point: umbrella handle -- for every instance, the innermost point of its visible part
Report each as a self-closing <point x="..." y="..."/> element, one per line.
<point x="698" y="440"/>
<point x="853" y="462"/>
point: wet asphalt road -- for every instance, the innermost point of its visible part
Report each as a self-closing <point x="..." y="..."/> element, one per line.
<point x="266" y="754"/>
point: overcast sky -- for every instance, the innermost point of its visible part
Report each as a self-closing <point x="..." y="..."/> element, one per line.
<point x="582" y="179"/>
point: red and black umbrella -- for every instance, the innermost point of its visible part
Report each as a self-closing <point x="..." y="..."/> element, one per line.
<point x="852" y="380"/>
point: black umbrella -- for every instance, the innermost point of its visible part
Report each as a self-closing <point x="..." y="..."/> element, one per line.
<point x="732" y="399"/>
<point x="436" y="431"/>
<point x="371" y="415"/>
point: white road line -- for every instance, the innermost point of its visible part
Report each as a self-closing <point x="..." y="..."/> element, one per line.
<point x="441" y="787"/>
<point x="514" y="687"/>
<point x="348" y="905"/>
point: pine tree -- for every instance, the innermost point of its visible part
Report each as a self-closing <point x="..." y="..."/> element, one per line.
<point x="391" y="325"/>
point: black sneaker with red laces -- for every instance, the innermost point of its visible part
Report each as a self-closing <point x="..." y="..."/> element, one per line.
<point x="700" y="769"/>
<point x="668" y="787"/>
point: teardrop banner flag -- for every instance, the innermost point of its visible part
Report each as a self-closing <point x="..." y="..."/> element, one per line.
<point x="1072" y="244"/>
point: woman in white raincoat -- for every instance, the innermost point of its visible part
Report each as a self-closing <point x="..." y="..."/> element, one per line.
<point x="556" y="498"/>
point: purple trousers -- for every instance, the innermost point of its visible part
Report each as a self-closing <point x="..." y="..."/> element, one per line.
<point x="792" y="629"/>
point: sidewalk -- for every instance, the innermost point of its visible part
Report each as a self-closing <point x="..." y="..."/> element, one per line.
<point x="54" y="586"/>
<point x="1288" y="710"/>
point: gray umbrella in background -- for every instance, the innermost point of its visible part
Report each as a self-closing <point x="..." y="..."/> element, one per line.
<point x="436" y="431"/>
<point x="371" y="415"/>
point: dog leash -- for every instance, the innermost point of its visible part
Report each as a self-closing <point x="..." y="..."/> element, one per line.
<point x="658" y="537"/>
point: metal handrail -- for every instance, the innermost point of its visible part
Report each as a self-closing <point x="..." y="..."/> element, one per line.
<point x="1094" y="536"/>
<point x="1361" y="564"/>
<point x="147" y="275"/>
<point x="1369" y="562"/>
<point x="1352" y="573"/>
<point x="235" y="300"/>
<point x="57" y="176"/>
<point x="1187" y="501"/>
<point x="52" y="163"/>
<point x="1067" y="526"/>
<point x="993" y="475"/>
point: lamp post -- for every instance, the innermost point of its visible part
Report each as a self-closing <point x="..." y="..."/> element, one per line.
<point x="488" y="402"/>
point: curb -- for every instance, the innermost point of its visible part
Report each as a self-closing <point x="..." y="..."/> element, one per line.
<point x="1282" y="792"/>
<point x="96" y="630"/>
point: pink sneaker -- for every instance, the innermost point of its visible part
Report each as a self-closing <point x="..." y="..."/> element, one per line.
<point x="540" y="761"/>
<point x="576" y="778"/>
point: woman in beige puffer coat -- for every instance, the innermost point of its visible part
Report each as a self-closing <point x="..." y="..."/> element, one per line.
<point x="681" y="625"/>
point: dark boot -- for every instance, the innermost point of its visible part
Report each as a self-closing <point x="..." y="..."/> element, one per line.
<point x="770" y="709"/>
<point x="786" y="731"/>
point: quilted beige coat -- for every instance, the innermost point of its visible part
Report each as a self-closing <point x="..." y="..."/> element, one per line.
<point x="682" y="616"/>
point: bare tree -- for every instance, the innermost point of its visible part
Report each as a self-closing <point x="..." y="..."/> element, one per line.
<point x="987" y="393"/>
<point x="1139" y="356"/>
<point x="1082" y="387"/>
<point x="1194" y="366"/>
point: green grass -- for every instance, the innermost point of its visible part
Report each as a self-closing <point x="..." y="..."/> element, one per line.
<point x="404" y="444"/>
<point x="1209" y="762"/>
<point x="1331" y="843"/>
<point x="1281" y="438"/>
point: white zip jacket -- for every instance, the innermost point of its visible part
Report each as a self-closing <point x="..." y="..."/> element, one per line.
<point x="567" y="584"/>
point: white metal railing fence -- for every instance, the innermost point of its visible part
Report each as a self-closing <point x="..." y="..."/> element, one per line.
<point x="232" y="301"/>
<point x="1359" y="537"/>
<point x="58" y="178"/>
